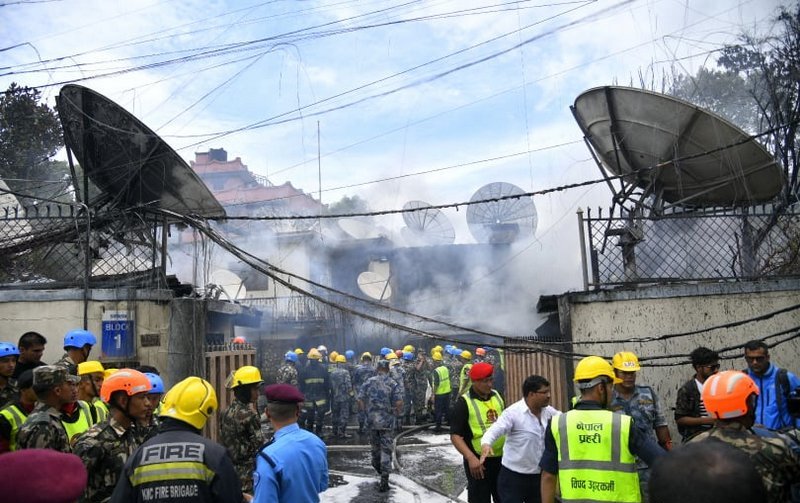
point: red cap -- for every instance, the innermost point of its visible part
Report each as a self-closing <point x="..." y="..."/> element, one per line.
<point x="285" y="393"/>
<point x="64" y="474"/>
<point x="480" y="371"/>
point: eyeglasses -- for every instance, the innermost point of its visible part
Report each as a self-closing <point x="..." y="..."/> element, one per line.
<point x="755" y="359"/>
<point x="712" y="366"/>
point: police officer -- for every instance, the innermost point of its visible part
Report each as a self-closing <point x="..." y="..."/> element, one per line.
<point x="363" y="371"/>
<point x="105" y="447"/>
<point x="59" y="417"/>
<point x="579" y="444"/>
<point x="14" y="414"/>
<point x="382" y="399"/>
<point x="239" y="424"/>
<point x="293" y="466"/>
<point x="179" y="464"/>
<point x="8" y="362"/>
<point x="440" y="379"/>
<point x="315" y="385"/>
<point x="341" y="393"/>
<point x="409" y="385"/>
<point x="92" y="374"/>
<point x="77" y="346"/>
<point x="421" y="382"/>
<point x="287" y="373"/>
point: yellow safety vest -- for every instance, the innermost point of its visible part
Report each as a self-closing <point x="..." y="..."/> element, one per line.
<point x="482" y="414"/>
<point x="15" y="417"/>
<point x="594" y="461"/>
<point x="100" y="410"/>
<point x="463" y="382"/>
<point x="443" y="388"/>
<point x="82" y="424"/>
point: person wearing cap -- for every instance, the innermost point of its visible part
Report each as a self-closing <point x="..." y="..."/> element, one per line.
<point x="463" y="376"/>
<point x="147" y="428"/>
<point x="641" y="403"/>
<point x="579" y="444"/>
<point x="293" y="466"/>
<point x="731" y="398"/>
<point x="31" y="348"/>
<point x="302" y="360"/>
<point x="78" y="344"/>
<point x="381" y="397"/>
<point x="362" y="372"/>
<point x="106" y="446"/>
<point x="59" y="418"/>
<point x="14" y="414"/>
<point x="523" y="424"/>
<point x="690" y="412"/>
<point x="341" y="394"/>
<point x="475" y="411"/>
<point x="315" y="386"/>
<point x="179" y="463"/>
<point x="42" y="476"/>
<point x="440" y="384"/>
<point x="92" y="374"/>
<point x="239" y="424"/>
<point x="287" y="373"/>
<point x="8" y="362"/>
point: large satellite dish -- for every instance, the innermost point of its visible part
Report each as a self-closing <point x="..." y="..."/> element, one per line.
<point x="130" y="163"/>
<point x="230" y="284"/>
<point x="427" y="225"/>
<point x="374" y="285"/>
<point x="502" y="220"/>
<point x="673" y="150"/>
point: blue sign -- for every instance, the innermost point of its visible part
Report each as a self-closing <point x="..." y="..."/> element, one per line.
<point x="118" y="335"/>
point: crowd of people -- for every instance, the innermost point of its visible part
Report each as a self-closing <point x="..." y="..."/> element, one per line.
<point x="137" y="441"/>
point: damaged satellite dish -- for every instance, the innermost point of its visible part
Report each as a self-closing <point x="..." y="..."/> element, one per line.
<point x="674" y="150"/>
<point x="231" y="285"/>
<point x="132" y="165"/>
<point x="374" y="285"/>
<point x="358" y="229"/>
<point x="427" y="225"/>
<point x="504" y="220"/>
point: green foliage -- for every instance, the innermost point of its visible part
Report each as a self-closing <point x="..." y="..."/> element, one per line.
<point x="347" y="205"/>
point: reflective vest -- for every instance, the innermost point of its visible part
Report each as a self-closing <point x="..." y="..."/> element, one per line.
<point x="100" y="410"/>
<point x="80" y="425"/>
<point x="443" y="388"/>
<point x="482" y="414"/>
<point x="463" y="382"/>
<point x="594" y="461"/>
<point x="15" y="417"/>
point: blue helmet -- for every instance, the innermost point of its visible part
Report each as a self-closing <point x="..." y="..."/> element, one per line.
<point x="349" y="354"/>
<point x="385" y="351"/>
<point x="455" y="351"/>
<point x="156" y="383"/>
<point x="290" y="356"/>
<point x="408" y="355"/>
<point x="78" y="338"/>
<point x="8" y="349"/>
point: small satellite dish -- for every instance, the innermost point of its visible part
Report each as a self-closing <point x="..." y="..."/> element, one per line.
<point x="674" y="150"/>
<point x="358" y="229"/>
<point x="229" y="283"/>
<point x="503" y="221"/>
<point x="374" y="285"/>
<point x="130" y="163"/>
<point x="427" y="225"/>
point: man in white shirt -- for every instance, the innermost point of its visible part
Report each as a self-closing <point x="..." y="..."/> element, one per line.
<point x="524" y="424"/>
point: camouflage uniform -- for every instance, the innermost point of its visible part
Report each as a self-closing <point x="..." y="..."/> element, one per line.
<point x="454" y="371"/>
<point x="360" y="375"/>
<point x="9" y="394"/>
<point x="341" y="393"/>
<point x="104" y="449"/>
<point x="378" y="397"/>
<point x="398" y="374"/>
<point x="240" y="433"/>
<point x="778" y="466"/>
<point x="420" y="391"/>
<point x="409" y="385"/>
<point x="67" y="363"/>
<point x="43" y="430"/>
<point x="287" y="374"/>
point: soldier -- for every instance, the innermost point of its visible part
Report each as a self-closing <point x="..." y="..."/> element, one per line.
<point x="454" y="371"/>
<point x="147" y="428"/>
<point x="315" y="386"/>
<point x="92" y="374"/>
<point x="409" y="385"/>
<point x="463" y="378"/>
<point x="397" y="373"/>
<point x="364" y="371"/>
<point x="8" y="362"/>
<point x="239" y="425"/>
<point x="731" y="397"/>
<point x="106" y="446"/>
<point x="287" y="373"/>
<point x="77" y="344"/>
<point x="341" y="393"/>
<point x="50" y="426"/>
<point x="440" y="383"/>
<point x="422" y="369"/>
<point x="14" y="414"/>
<point x="382" y="399"/>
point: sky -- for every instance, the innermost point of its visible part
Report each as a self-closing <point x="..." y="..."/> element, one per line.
<point x="403" y="100"/>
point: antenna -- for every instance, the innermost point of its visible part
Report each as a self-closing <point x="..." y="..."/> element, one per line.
<point x="375" y="285"/>
<point x="503" y="221"/>
<point x="427" y="226"/>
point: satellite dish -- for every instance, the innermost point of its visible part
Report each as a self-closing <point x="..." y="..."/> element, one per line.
<point x="130" y="163"/>
<point x="229" y="283"/>
<point x="503" y="221"/>
<point x="427" y="226"/>
<point x="374" y="285"/>
<point x="674" y="150"/>
<point x="358" y="229"/>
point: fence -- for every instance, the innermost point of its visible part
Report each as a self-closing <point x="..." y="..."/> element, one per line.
<point x="697" y="245"/>
<point x="221" y="360"/>
<point x="521" y="365"/>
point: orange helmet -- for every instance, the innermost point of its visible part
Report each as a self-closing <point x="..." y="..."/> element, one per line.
<point x="130" y="381"/>
<point x="725" y="394"/>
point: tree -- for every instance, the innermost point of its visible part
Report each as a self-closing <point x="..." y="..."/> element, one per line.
<point x="347" y="205"/>
<point x="30" y="135"/>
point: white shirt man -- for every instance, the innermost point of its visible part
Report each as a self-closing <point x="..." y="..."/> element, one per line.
<point x="524" y="424"/>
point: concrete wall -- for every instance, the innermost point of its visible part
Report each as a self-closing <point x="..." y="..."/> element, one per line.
<point x="621" y="315"/>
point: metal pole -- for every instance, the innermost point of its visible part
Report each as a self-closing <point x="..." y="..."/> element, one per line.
<point x="584" y="265"/>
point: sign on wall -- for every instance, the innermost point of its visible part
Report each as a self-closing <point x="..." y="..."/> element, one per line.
<point x="118" y="334"/>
